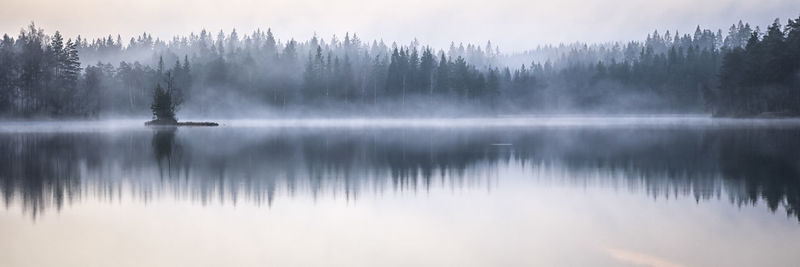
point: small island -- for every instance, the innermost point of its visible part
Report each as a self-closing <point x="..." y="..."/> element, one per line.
<point x="177" y="123"/>
<point x="164" y="108"/>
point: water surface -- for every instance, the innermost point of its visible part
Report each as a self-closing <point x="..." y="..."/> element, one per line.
<point x="587" y="191"/>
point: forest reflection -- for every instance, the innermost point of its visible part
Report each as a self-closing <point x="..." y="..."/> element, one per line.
<point x="48" y="170"/>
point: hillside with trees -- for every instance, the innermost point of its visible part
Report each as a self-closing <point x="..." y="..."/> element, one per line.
<point x="743" y="72"/>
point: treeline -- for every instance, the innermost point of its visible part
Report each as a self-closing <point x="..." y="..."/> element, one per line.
<point x="738" y="73"/>
<point x="41" y="74"/>
<point x="763" y="77"/>
<point x="329" y="78"/>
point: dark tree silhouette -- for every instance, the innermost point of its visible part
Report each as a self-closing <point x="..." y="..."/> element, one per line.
<point x="743" y="73"/>
<point x="163" y="108"/>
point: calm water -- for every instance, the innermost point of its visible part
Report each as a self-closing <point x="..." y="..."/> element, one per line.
<point x="665" y="191"/>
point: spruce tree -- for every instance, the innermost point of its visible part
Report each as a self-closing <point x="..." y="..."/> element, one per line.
<point x="163" y="109"/>
<point x="443" y="75"/>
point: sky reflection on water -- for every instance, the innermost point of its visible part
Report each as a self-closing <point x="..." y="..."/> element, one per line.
<point x="249" y="194"/>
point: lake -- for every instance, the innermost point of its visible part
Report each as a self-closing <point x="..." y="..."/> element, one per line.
<point x="544" y="191"/>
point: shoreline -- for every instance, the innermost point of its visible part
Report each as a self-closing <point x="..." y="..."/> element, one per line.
<point x="184" y="123"/>
<point x="763" y="115"/>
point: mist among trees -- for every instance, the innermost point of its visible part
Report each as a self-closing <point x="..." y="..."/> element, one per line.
<point x="742" y="72"/>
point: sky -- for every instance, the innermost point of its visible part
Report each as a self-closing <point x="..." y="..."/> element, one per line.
<point x="512" y="24"/>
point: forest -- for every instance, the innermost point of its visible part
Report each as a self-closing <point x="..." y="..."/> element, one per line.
<point x="742" y="73"/>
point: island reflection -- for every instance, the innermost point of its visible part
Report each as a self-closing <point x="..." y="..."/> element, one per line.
<point x="48" y="170"/>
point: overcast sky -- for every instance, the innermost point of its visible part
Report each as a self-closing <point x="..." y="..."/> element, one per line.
<point x="514" y="25"/>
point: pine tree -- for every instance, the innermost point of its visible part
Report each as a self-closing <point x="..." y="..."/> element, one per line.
<point x="394" y="75"/>
<point x="160" y="69"/>
<point x="55" y="56"/>
<point x="493" y="85"/>
<point x="443" y="75"/>
<point x="347" y="83"/>
<point x="163" y="109"/>
<point x="70" y="73"/>
<point x="185" y="80"/>
<point x="8" y="72"/>
<point x="461" y="77"/>
<point x="426" y="66"/>
<point x="270" y="48"/>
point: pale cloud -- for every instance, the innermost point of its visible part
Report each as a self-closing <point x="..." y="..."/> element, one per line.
<point x="515" y="25"/>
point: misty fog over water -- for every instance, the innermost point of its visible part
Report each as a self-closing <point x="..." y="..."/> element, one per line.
<point x="268" y="143"/>
<point x="744" y="71"/>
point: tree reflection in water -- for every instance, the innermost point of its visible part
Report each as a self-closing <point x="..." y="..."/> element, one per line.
<point x="39" y="171"/>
